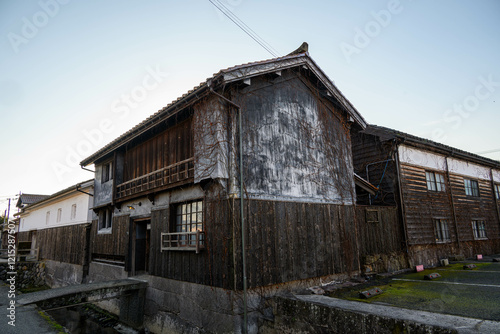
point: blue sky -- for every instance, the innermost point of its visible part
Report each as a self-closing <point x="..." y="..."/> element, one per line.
<point x="74" y="75"/>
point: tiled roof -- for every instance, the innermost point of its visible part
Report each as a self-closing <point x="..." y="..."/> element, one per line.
<point x="28" y="199"/>
<point x="42" y="198"/>
<point x="388" y="133"/>
<point x="229" y="74"/>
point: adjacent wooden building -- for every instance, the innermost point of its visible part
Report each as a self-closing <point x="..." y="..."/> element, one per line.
<point x="448" y="199"/>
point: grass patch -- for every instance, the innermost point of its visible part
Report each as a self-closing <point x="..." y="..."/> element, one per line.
<point x="56" y="326"/>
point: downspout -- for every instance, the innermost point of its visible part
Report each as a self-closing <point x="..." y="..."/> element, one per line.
<point x="452" y="202"/>
<point x="88" y="170"/>
<point x="401" y="200"/>
<point x="242" y="216"/>
<point x="86" y="193"/>
<point x="495" y="195"/>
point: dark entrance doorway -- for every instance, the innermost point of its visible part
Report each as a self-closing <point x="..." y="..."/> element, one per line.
<point x="141" y="241"/>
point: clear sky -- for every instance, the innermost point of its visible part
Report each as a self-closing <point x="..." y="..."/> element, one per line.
<point x="75" y="75"/>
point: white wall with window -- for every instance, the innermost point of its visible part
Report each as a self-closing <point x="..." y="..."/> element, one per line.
<point x="66" y="208"/>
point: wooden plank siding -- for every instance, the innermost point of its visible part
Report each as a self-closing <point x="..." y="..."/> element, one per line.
<point x="165" y="149"/>
<point x="369" y="151"/>
<point x="285" y="241"/>
<point x="422" y="206"/>
<point x="288" y="241"/>
<point x="64" y="244"/>
<point x="114" y="245"/>
<point x="212" y="266"/>
<point x="382" y="237"/>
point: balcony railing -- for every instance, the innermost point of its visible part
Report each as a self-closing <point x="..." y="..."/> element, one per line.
<point x="188" y="241"/>
<point x="162" y="178"/>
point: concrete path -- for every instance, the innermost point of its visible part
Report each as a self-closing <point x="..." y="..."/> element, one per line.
<point x="461" y="324"/>
<point x="27" y="318"/>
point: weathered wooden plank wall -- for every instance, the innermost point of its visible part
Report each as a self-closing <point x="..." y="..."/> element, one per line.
<point x="212" y="266"/>
<point x="64" y="244"/>
<point x="382" y="237"/>
<point x="369" y="151"/>
<point x="166" y="148"/>
<point x="422" y="206"/>
<point x="289" y="241"/>
<point x="113" y="245"/>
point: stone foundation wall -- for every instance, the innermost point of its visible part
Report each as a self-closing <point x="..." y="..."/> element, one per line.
<point x="29" y="274"/>
<point x="59" y="274"/>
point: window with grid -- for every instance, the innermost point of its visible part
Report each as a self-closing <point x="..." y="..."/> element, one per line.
<point x="188" y="218"/>
<point x="497" y="190"/>
<point x="442" y="232"/>
<point x="435" y="181"/>
<point x="471" y="187"/>
<point x="479" y="229"/>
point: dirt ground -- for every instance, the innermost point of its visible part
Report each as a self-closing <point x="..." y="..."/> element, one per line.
<point x="469" y="293"/>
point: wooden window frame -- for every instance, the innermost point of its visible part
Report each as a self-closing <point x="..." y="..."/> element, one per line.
<point x="470" y="189"/>
<point x="441" y="230"/>
<point x="433" y="184"/>
<point x="105" y="221"/>
<point x="497" y="190"/>
<point x="107" y="172"/>
<point x="478" y="232"/>
<point x="181" y="235"/>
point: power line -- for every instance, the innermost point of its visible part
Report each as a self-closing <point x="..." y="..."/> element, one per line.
<point x="246" y="29"/>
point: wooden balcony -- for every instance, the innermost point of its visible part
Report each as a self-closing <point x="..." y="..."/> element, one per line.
<point x="183" y="241"/>
<point x="161" y="179"/>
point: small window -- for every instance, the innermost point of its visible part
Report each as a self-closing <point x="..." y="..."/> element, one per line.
<point x="73" y="212"/>
<point x="471" y="187"/>
<point x="479" y="229"/>
<point x="442" y="232"/>
<point x="372" y="216"/>
<point x="105" y="220"/>
<point x="107" y="172"/>
<point x="435" y="181"/>
<point x="497" y="190"/>
<point x="47" y="218"/>
<point x="59" y="214"/>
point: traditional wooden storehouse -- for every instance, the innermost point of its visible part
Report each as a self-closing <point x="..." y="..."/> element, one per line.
<point x="448" y="199"/>
<point x="57" y="229"/>
<point x="245" y="182"/>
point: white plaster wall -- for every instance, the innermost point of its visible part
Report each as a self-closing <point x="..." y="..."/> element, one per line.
<point x="417" y="157"/>
<point x="496" y="175"/>
<point x="432" y="160"/>
<point x="35" y="218"/>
